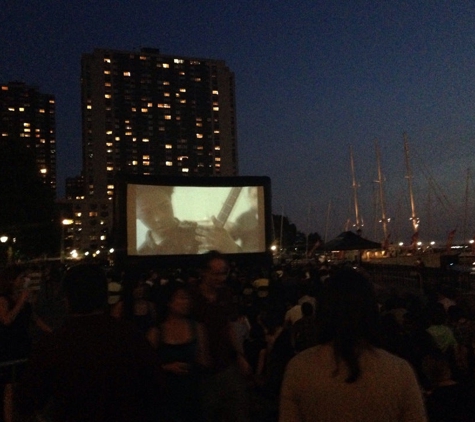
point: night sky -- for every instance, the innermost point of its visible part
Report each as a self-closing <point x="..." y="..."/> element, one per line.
<point x="313" y="78"/>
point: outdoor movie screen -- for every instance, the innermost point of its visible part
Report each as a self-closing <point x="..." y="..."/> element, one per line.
<point x="165" y="219"/>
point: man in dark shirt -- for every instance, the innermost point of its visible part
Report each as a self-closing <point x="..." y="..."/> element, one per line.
<point x="224" y="392"/>
<point x="94" y="368"/>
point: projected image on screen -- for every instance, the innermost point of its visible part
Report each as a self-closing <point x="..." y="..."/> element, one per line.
<point x="167" y="220"/>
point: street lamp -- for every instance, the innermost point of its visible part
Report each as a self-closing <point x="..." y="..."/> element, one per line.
<point x="65" y="222"/>
<point x="5" y="239"/>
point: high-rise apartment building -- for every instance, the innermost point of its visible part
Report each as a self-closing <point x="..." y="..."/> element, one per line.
<point x="27" y="116"/>
<point x="146" y="113"/>
<point x="149" y="113"/>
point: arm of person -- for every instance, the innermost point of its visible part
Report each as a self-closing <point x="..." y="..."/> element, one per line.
<point x="202" y="353"/>
<point x="242" y="362"/>
<point x="153" y="337"/>
<point x="7" y="316"/>
<point x="41" y="324"/>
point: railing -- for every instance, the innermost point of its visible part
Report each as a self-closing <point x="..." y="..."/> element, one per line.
<point x="419" y="279"/>
<point x="11" y="368"/>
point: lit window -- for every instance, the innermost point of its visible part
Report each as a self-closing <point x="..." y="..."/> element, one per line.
<point x="128" y="133"/>
<point x="109" y="144"/>
<point x="146" y="157"/>
<point x="107" y="72"/>
<point x="126" y="73"/>
<point x="166" y="65"/>
<point x="178" y="61"/>
<point x="199" y="135"/>
<point x="166" y="83"/>
<point x="168" y="117"/>
<point x="168" y="146"/>
<point x="144" y="110"/>
<point x="108" y="84"/>
<point x="108" y="96"/>
<point x="107" y="60"/>
<point x="11" y="109"/>
<point x="215" y="92"/>
<point x="117" y="138"/>
<point x="42" y="110"/>
<point x="109" y="132"/>
<point x="89" y="107"/>
<point x="21" y="109"/>
<point x="150" y="105"/>
<point x="26" y="124"/>
<point x="185" y="170"/>
<point x="43" y="171"/>
<point x="51" y="101"/>
<point x="78" y="214"/>
<point x="143" y="57"/>
<point x="217" y="148"/>
<point x="215" y="108"/>
<point x="217" y="159"/>
<point x="103" y="237"/>
<point x="110" y="168"/>
<point x="146" y="163"/>
<point x="197" y="79"/>
<point x="216" y="131"/>
<point x="168" y="163"/>
<point x="166" y="94"/>
<point x="182" y="89"/>
<point x="4" y="88"/>
<point x="182" y="101"/>
<point x="110" y="192"/>
<point x="134" y="162"/>
<point x="145" y="140"/>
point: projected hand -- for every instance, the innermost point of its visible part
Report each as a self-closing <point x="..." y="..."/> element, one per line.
<point x="214" y="237"/>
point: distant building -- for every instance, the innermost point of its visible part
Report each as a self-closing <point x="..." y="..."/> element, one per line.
<point x="149" y="113"/>
<point x="27" y="116"/>
<point x="152" y="114"/>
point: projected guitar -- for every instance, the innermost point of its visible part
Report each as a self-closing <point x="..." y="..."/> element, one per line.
<point x="228" y="206"/>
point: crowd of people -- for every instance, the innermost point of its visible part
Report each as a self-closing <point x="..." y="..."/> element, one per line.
<point x="224" y="343"/>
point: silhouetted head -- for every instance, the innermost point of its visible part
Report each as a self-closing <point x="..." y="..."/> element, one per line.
<point x="349" y="317"/>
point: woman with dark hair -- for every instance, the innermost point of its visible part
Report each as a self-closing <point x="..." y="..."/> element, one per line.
<point x="347" y="377"/>
<point x="179" y="342"/>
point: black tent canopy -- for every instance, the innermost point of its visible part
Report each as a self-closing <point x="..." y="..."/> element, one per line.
<point x="349" y="241"/>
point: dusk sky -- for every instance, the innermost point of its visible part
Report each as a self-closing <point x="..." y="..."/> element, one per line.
<point x="313" y="78"/>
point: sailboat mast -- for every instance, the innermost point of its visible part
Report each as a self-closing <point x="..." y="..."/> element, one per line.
<point x="414" y="218"/>
<point x="355" y="191"/>
<point x="381" y="192"/>
<point x="465" y="216"/>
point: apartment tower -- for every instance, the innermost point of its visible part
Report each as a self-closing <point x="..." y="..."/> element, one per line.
<point x="27" y="117"/>
<point x="149" y="113"/>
